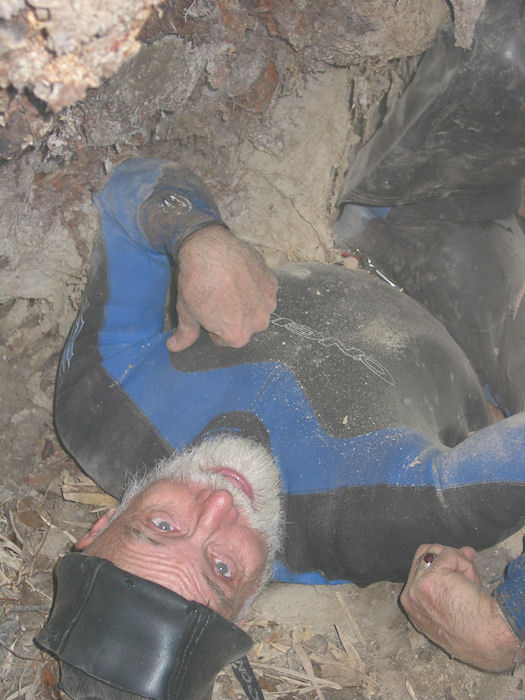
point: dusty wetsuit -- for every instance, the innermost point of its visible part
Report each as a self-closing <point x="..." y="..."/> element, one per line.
<point x="429" y="203"/>
<point x="431" y="198"/>
<point x="367" y="401"/>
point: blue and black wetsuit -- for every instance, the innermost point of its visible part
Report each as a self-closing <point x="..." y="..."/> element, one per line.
<point x="431" y="197"/>
<point x="510" y="595"/>
<point x="374" y="414"/>
<point x="429" y="202"/>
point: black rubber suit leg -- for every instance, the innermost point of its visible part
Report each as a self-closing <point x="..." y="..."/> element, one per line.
<point x="459" y="127"/>
<point x="469" y="276"/>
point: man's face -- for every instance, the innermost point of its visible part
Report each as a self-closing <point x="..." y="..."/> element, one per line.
<point x="197" y="530"/>
<point x="190" y="539"/>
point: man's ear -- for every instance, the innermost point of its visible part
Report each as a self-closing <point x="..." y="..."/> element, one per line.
<point x="95" y="531"/>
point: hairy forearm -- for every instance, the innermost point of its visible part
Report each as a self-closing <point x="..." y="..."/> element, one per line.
<point x="491" y="644"/>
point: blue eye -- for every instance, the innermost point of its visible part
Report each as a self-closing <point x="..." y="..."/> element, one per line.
<point x="223" y="569"/>
<point x="163" y="525"/>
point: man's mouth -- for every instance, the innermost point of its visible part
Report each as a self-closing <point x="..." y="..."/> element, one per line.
<point x="237" y="479"/>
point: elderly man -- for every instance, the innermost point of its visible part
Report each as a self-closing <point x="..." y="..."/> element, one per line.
<point x="375" y="417"/>
<point x="362" y="398"/>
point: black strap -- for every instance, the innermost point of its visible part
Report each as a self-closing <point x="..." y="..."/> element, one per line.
<point x="246" y="677"/>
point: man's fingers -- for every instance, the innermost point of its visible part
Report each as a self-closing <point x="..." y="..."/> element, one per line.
<point x="218" y="341"/>
<point x="421" y="551"/>
<point x="469" y="552"/>
<point x="236" y="333"/>
<point x="224" y="286"/>
<point x="183" y="336"/>
<point x="236" y="337"/>
<point x="447" y="559"/>
<point x="460" y="561"/>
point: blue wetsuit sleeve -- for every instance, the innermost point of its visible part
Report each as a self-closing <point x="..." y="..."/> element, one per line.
<point x="115" y="363"/>
<point x="157" y="203"/>
<point x="510" y="595"/>
<point x="147" y="209"/>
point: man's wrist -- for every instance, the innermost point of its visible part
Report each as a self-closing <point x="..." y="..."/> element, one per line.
<point x="210" y="232"/>
<point x="518" y="649"/>
<point x="507" y="647"/>
<point x="488" y="641"/>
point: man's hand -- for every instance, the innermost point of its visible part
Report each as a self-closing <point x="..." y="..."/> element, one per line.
<point x="447" y="603"/>
<point x="223" y="286"/>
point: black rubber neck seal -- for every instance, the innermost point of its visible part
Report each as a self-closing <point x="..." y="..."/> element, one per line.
<point x="120" y="636"/>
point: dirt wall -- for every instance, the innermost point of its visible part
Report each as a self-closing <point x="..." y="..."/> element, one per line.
<point x="263" y="99"/>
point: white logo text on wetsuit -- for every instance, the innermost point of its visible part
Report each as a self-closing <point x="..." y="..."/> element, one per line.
<point x="327" y="341"/>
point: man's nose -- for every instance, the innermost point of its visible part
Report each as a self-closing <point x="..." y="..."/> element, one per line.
<point x="217" y="509"/>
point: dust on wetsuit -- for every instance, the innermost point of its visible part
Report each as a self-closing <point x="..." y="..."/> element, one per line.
<point x="430" y="203"/>
<point x="368" y="403"/>
<point x="431" y="197"/>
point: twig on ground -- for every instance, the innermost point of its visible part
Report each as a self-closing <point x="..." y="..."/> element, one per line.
<point x="294" y="676"/>
<point x="355" y="626"/>
<point x="307" y="665"/>
<point x="18" y="656"/>
<point x="410" y="690"/>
